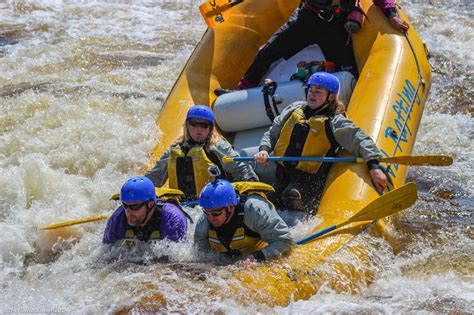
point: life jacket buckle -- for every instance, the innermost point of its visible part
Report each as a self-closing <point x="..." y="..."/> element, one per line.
<point x="323" y="15"/>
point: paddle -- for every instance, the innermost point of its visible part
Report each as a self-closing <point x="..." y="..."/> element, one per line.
<point x="76" y="221"/>
<point x="99" y="217"/>
<point x="387" y="204"/>
<point x="428" y="160"/>
<point x="213" y="10"/>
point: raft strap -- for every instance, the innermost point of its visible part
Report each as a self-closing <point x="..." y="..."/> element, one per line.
<point x="268" y="91"/>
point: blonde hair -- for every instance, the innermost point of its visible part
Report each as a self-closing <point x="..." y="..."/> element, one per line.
<point x="212" y="139"/>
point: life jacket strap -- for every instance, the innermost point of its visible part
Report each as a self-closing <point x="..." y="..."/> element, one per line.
<point x="324" y="14"/>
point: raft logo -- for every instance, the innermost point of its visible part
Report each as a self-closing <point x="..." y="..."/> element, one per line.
<point x="401" y="108"/>
<point x="399" y="132"/>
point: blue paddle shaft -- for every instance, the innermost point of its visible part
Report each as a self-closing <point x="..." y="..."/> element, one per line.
<point x="316" y="235"/>
<point x="190" y="203"/>
<point x="302" y="158"/>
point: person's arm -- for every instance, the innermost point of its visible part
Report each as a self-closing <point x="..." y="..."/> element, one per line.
<point x="240" y="171"/>
<point x="201" y="234"/>
<point x="114" y="230"/>
<point x="270" y="138"/>
<point x="389" y="9"/>
<point x="174" y="225"/>
<point x="261" y="217"/>
<point x="354" y="139"/>
<point x="357" y="142"/>
<point x="159" y="173"/>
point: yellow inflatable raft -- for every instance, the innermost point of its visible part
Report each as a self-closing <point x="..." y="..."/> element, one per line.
<point x="390" y="92"/>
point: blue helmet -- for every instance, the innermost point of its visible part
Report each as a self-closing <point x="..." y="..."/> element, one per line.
<point x="202" y="112"/>
<point x="138" y="188"/>
<point x="218" y="193"/>
<point x="326" y="80"/>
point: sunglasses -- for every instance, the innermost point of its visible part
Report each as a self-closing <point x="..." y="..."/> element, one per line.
<point x="214" y="213"/>
<point x="134" y="207"/>
<point x="194" y="123"/>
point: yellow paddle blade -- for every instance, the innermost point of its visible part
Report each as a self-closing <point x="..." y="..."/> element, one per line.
<point x="387" y="204"/>
<point x="74" y="222"/>
<point x="216" y="11"/>
<point x="433" y="160"/>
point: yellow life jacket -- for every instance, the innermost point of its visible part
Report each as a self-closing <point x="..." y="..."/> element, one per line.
<point x="235" y="238"/>
<point x="130" y="240"/>
<point x="305" y="137"/>
<point x="188" y="171"/>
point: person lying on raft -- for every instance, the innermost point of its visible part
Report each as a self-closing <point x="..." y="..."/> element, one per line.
<point x="245" y="226"/>
<point x="327" y="23"/>
<point x="316" y="127"/>
<point x="144" y="218"/>
<point x="186" y="162"/>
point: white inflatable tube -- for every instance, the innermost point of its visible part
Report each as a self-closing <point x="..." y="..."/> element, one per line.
<point x="252" y="108"/>
<point x="246" y="143"/>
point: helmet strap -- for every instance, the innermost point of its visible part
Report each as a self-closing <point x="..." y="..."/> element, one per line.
<point x="325" y="105"/>
<point x="147" y="213"/>
<point x="227" y="214"/>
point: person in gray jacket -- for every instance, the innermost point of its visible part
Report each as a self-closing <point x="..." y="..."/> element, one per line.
<point x="243" y="226"/>
<point x="314" y="128"/>
<point x="185" y="164"/>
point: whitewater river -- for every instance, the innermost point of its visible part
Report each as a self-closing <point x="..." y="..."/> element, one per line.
<point x="81" y="84"/>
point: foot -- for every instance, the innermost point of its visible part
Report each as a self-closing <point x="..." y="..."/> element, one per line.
<point x="245" y="84"/>
<point x="291" y="199"/>
<point x="221" y="91"/>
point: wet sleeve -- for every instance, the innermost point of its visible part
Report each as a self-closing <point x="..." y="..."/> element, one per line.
<point x="159" y="173"/>
<point x="270" y="137"/>
<point x="354" y="139"/>
<point x="201" y="232"/>
<point x="114" y="230"/>
<point x="240" y="171"/>
<point x="174" y="225"/>
<point x="388" y="7"/>
<point x="262" y="218"/>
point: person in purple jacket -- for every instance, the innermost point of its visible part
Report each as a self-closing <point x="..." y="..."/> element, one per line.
<point x="142" y="217"/>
